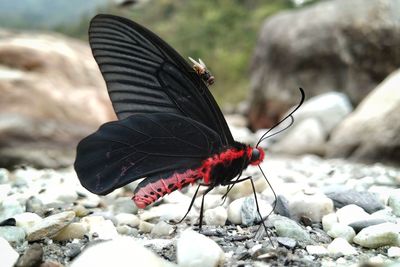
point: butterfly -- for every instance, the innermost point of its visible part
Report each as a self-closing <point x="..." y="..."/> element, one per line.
<point x="170" y="130"/>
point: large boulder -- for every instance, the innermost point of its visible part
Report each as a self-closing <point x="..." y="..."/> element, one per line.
<point x="52" y="95"/>
<point x="341" y="45"/>
<point x="372" y="131"/>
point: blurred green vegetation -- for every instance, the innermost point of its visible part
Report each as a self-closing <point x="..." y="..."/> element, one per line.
<point x="222" y="33"/>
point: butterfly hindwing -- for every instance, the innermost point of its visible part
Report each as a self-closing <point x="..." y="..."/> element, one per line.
<point x="145" y="75"/>
<point x="140" y="146"/>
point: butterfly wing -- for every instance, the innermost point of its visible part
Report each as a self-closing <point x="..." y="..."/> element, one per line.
<point x="145" y="75"/>
<point x="143" y="145"/>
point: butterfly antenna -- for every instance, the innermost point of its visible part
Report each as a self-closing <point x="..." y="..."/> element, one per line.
<point x="264" y="136"/>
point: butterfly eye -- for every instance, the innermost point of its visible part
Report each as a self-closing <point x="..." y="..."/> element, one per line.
<point x="255" y="155"/>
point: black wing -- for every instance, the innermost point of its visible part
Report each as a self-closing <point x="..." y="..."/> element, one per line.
<point x="145" y="75"/>
<point x="141" y="146"/>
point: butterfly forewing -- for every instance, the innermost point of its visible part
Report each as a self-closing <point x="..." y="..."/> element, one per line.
<point x="145" y="75"/>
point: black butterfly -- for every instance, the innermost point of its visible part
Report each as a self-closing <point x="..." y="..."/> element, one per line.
<point x="170" y="131"/>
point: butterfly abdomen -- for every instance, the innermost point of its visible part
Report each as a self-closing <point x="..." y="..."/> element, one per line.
<point x="213" y="171"/>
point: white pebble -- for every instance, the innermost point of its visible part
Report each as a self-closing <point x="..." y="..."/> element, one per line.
<point x="145" y="227"/>
<point x="216" y="216"/>
<point x="8" y="255"/>
<point x="210" y="201"/>
<point x="162" y="229"/>
<point x="393" y="252"/>
<point x="196" y="250"/>
<point x="342" y="230"/>
<point x="375" y="236"/>
<point x="351" y="213"/>
<point x="316" y="250"/>
<point x="125" y="251"/>
<point x="313" y="206"/>
<point x="104" y="230"/>
<point x="340" y="246"/>
<point x="328" y="221"/>
<point x="127" y="219"/>
<point x="169" y="212"/>
<point x="234" y="211"/>
<point x="394" y="202"/>
<point x="27" y="220"/>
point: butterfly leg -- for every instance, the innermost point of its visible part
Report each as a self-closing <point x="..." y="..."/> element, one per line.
<point x="202" y="206"/>
<point x="191" y="204"/>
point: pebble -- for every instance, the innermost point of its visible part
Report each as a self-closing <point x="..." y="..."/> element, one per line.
<point x="127" y="230"/>
<point x="313" y="206"/>
<point x="13" y="234"/>
<point x="196" y="250"/>
<point x="282" y="206"/>
<point x="351" y="213"/>
<point x="100" y="228"/>
<point x="127" y="219"/>
<point x="210" y="201"/>
<point x="50" y="226"/>
<point x="145" y="227"/>
<point x="317" y="250"/>
<point x="394" y="202"/>
<point x="27" y="220"/>
<point x="124" y="205"/>
<point x="287" y="242"/>
<point x="340" y="246"/>
<point x="32" y="256"/>
<point x="384" y="234"/>
<point x="245" y="189"/>
<point x="393" y="252"/>
<point x="8" y="255"/>
<point x="121" y="251"/>
<point x="162" y="229"/>
<point x="342" y="230"/>
<point x="8" y="222"/>
<point x="366" y="200"/>
<point x="34" y="205"/>
<point x="359" y="225"/>
<point x="328" y="221"/>
<point x="169" y="212"/>
<point x="73" y="250"/>
<point x="234" y="211"/>
<point x="216" y="216"/>
<point x="10" y="207"/>
<point x="71" y="231"/>
<point x="288" y="228"/>
<point x="4" y="175"/>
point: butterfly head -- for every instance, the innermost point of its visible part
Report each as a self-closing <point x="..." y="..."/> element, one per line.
<point x="255" y="155"/>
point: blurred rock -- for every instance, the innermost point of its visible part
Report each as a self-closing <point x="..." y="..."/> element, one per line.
<point x="52" y="95"/>
<point x="385" y="234"/>
<point x="349" y="46"/>
<point x="216" y="216"/>
<point x="288" y="228"/>
<point x="50" y="226"/>
<point x="371" y="132"/>
<point x="13" y="234"/>
<point x="8" y="255"/>
<point x="32" y="256"/>
<point x="340" y="246"/>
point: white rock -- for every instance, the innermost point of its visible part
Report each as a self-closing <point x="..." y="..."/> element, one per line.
<point x="375" y="236"/>
<point x="127" y="219"/>
<point x="234" y="211"/>
<point x="4" y="175"/>
<point x="313" y="206"/>
<point x="216" y="216"/>
<point x="393" y="252"/>
<point x="72" y="231"/>
<point x="316" y="250"/>
<point x="10" y="207"/>
<point x="210" y="201"/>
<point x="27" y="220"/>
<point x="103" y="230"/>
<point x="328" y="221"/>
<point x="196" y="250"/>
<point x="145" y="227"/>
<point x="169" y="212"/>
<point x="162" y="229"/>
<point x="394" y="202"/>
<point x="177" y="197"/>
<point x="125" y="252"/>
<point x="351" y="213"/>
<point x="7" y="254"/>
<point x="245" y="189"/>
<point x="342" y="230"/>
<point x="50" y="226"/>
<point x="340" y="246"/>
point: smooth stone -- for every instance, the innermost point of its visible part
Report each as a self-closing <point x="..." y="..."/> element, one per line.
<point x="197" y="250"/>
<point x="127" y="230"/>
<point x="351" y="213"/>
<point x="313" y="206"/>
<point x="210" y="201"/>
<point x="27" y="220"/>
<point x="90" y="200"/>
<point x="286" y="227"/>
<point x="282" y="206"/>
<point x="124" y="205"/>
<point x="340" y="246"/>
<point x="342" y="230"/>
<point x="216" y="216"/>
<point x="328" y="221"/>
<point x="8" y="255"/>
<point x="235" y="211"/>
<point x="34" y="205"/>
<point x="393" y="252"/>
<point x="359" y="225"/>
<point x="32" y="256"/>
<point x="125" y="251"/>
<point x="73" y="250"/>
<point x="244" y="189"/>
<point x="394" y="202"/>
<point x="127" y="219"/>
<point x="4" y="175"/>
<point x="50" y="226"/>
<point x="13" y="234"/>
<point x="100" y="228"/>
<point x="287" y="242"/>
<point x="162" y="229"/>
<point x="169" y="212"/>
<point x="366" y="200"/>
<point x="384" y="234"/>
<point x="248" y="211"/>
<point x="72" y="231"/>
<point x="317" y="250"/>
<point x="145" y="227"/>
<point x="80" y="211"/>
<point x="10" y="207"/>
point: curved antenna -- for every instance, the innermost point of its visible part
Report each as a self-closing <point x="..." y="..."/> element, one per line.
<point x="282" y="120"/>
<point x="281" y="130"/>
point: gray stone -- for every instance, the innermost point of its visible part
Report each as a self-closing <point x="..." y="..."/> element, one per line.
<point x="366" y="200"/>
<point x="13" y="234"/>
<point x="287" y="242"/>
<point x="288" y="228"/>
<point x="359" y="225"/>
<point x="282" y="206"/>
<point x="248" y="211"/>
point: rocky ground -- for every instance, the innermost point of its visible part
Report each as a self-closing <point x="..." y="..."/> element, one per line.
<point x="328" y="213"/>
